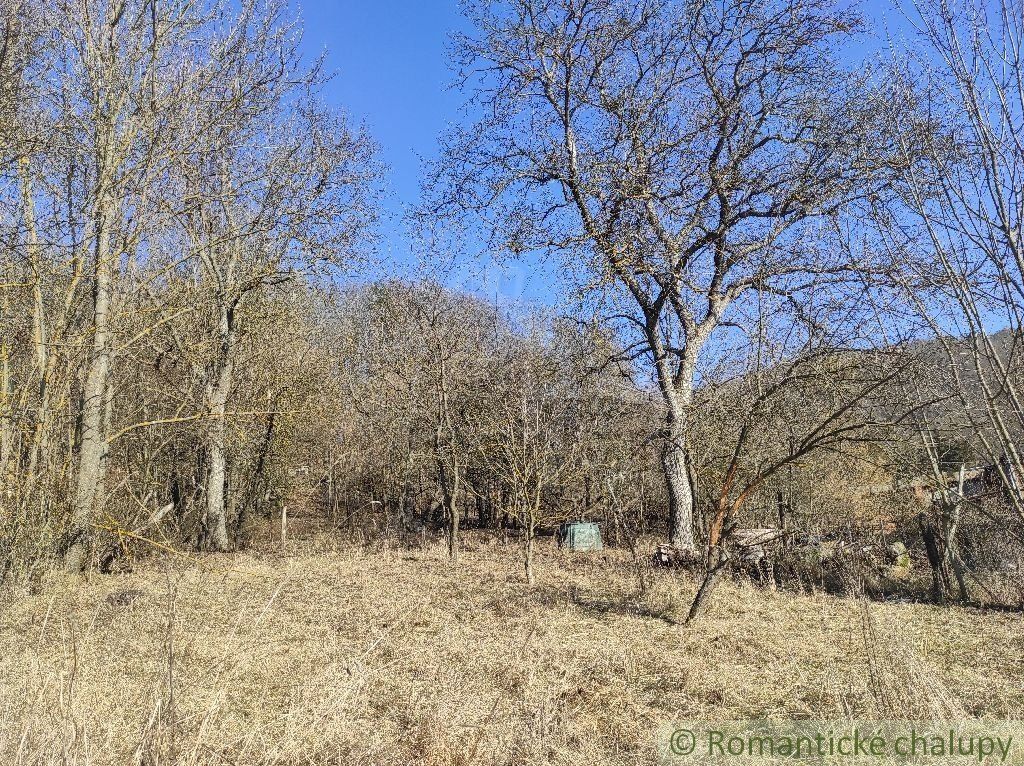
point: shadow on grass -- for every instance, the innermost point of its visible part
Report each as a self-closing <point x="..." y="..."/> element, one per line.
<point x="628" y="606"/>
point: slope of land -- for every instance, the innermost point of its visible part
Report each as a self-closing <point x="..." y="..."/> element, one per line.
<point x="341" y="654"/>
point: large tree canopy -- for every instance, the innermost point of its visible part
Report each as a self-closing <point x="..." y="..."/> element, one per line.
<point x="682" y="157"/>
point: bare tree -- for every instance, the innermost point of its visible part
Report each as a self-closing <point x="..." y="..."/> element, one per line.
<point x="527" y="439"/>
<point x="20" y="44"/>
<point x="683" y="156"/>
<point x="167" y="164"/>
<point x="122" y="117"/>
<point x="775" y="417"/>
<point x="277" y="188"/>
<point x="957" y="239"/>
<point x="450" y="351"/>
<point x="18" y="52"/>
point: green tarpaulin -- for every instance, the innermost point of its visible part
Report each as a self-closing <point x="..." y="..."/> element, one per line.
<point x="580" y="536"/>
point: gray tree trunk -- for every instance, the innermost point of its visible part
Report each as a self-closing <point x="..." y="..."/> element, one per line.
<point x="449" y="489"/>
<point x="92" y="445"/>
<point x="40" y="447"/>
<point x="6" y="417"/>
<point x="217" y="397"/>
<point x="678" y="395"/>
<point x="531" y="532"/>
<point x="680" y="494"/>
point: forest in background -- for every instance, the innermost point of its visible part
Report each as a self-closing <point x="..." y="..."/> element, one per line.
<point x="788" y="276"/>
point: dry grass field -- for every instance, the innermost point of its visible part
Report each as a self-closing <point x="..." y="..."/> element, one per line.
<point x="334" y="653"/>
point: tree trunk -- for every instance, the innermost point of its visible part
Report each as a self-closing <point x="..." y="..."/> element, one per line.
<point x="449" y="488"/>
<point x="717" y="561"/>
<point x="216" y="472"/>
<point x="932" y="546"/>
<point x="677" y="392"/>
<point x="40" y="447"/>
<point x="951" y="555"/>
<point x="680" y="494"/>
<point x="528" y="559"/>
<point x="216" y="518"/>
<point x="453" y="532"/>
<point x="6" y="416"/>
<point x="92" y="444"/>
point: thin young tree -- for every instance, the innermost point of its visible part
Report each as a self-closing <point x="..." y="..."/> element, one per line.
<point x="816" y="401"/>
<point x="957" y="242"/>
<point x="527" y="438"/>
<point x="119" y="117"/>
<point x="278" y="188"/>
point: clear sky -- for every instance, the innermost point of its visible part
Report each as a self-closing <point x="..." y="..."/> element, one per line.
<point x="392" y="73"/>
<point x="389" y="57"/>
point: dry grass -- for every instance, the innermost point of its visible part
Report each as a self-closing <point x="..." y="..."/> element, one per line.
<point x="340" y="654"/>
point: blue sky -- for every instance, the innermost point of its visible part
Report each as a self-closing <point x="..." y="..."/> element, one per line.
<point x="391" y="72"/>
